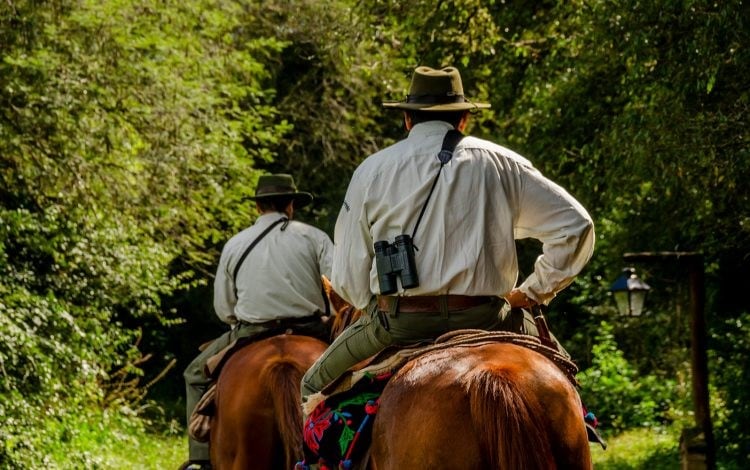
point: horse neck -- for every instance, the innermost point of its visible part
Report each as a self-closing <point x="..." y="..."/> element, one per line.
<point x="344" y="318"/>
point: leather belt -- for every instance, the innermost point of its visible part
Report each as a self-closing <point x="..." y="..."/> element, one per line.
<point x="424" y="304"/>
<point x="289" y="321"/>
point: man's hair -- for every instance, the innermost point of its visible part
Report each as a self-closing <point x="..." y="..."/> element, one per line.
<point x="451" y="117"/>
<point x="277" y="204"/>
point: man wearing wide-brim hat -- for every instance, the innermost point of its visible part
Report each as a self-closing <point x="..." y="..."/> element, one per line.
<point x="461" y="202"/>
<point x="281" y="187"/>
<point x="268" y="280"/>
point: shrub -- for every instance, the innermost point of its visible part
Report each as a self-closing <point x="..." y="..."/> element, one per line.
<point x="619" y="396"/>
<point x="731" y="372"/>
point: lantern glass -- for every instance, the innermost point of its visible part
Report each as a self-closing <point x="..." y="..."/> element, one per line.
<point x="637" y="302"/>
<point x="629" y="292"/>
<point x="622" y="300"/>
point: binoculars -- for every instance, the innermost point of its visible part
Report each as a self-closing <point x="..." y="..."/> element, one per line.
<point x="393" y="261"/>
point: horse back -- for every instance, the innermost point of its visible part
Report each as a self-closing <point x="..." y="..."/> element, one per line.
<point x="494" y="406"/>
<point x="258" y="421"/>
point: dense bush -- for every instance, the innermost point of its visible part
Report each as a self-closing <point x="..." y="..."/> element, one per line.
<point x="732" y="381"/>
<point x="620" y="396"/>
<point x="128" y="133"/>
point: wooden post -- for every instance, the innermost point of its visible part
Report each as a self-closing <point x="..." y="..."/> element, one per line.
<point x="697" y="449"/>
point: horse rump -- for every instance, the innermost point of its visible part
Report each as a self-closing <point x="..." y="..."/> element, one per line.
<point x="508" y="423"/>
<point x="492" y="406"/>
<point x="258" y="420"/>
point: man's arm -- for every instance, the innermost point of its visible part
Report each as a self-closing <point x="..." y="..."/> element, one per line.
<point x="548" y="213"/>
<point x="352" y="249"/>
<point x="518" y="299"/>
<point x="325" y="255"/>
<point x="224" y="297"/>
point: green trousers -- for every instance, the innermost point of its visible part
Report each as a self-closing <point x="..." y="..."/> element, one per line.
<point x="376" y="330"/>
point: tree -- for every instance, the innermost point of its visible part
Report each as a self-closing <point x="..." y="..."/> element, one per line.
<point x="128" y="136"/>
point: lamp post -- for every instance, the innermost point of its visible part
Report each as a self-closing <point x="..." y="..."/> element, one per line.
<point x="697" y="444"/>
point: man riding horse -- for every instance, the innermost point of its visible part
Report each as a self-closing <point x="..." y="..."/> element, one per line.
<point x="425" y="239"/>
<point x="268" y="280"/>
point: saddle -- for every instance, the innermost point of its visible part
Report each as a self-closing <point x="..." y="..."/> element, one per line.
<point x="339" y="423"/>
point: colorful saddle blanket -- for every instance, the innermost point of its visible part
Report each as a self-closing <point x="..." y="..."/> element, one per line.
<point x="339" y="424"/>
<point x="337" y="433"/>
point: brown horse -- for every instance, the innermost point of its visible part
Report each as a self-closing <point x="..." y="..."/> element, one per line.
<point x="494" y="406"/>
<point x="258" y="420"/>
<point x="488" y="406"/>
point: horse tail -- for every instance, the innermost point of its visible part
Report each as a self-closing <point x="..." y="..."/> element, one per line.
<point x="284" y="383"/>
<point x="508" y="422"/>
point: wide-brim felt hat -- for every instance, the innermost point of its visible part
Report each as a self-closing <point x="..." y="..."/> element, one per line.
<point x="280" y="186"/>
<point x="436" y="90"/>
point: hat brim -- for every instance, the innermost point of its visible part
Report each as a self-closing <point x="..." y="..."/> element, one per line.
<point x="464" y="106"/>
<point x="301" y="199"/>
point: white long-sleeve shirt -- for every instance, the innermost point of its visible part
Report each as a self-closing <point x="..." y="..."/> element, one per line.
<point x="486" y="197"/>
<point x="280" y="277"/>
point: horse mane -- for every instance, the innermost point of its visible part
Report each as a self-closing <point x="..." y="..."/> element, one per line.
<point x="343" y="313"/>
<point x="508" y="422"/>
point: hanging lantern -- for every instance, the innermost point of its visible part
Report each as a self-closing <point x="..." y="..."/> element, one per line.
<point x="629" y="292"/>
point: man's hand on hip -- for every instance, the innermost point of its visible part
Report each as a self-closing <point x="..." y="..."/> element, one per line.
<point x="518" y="299"/>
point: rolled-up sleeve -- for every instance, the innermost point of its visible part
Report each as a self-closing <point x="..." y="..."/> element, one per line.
<point x="549" y="214"/>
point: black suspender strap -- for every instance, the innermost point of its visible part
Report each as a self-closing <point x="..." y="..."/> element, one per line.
<point x="451" y="139"/>
<point x="326" y="302"/>
<point x="251" y="246"/>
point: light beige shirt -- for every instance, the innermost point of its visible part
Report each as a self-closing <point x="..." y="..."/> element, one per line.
<point x="279" y="278"/>
<point x="486" y="197"/>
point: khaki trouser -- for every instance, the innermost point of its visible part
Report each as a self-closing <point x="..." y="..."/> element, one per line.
<point x="376" y="330"/>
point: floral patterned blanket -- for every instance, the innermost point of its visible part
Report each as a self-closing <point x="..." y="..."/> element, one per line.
<point x="337" y="432"/>
<point x="338" y="429"/>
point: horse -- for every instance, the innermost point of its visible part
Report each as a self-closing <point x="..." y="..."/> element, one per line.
<point x="494" y="405"/>
<point x="490" y="406"/>
<point x="257" y="422"/>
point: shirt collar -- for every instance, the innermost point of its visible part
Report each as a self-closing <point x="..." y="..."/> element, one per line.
<point x="270" y="217"/>
<point x="429" y="128"/>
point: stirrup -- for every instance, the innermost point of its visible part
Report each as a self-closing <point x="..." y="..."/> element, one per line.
<point x="594" y="436"/>
<point x="196" y="465"/>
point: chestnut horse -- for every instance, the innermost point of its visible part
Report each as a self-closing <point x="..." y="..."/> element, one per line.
<point x="258" y="420"/>
<point x="490" y="406"/>
<point x="495" y="405"/>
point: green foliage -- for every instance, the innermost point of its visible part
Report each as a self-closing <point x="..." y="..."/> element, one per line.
<point x="619" y="396"/>
<point x="128" y="132"/>
<point x="731" y="375"/>
<point x="98" y="439"/>
<point x="330" y="76"/>
<point x="161" y="118"/>
<point x="640" y="448"/>
<point x="636" y="125"/>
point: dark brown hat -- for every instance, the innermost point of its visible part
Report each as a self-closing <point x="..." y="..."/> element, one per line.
<point x="436" y="90"/>
<point x="280" y="186"/>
